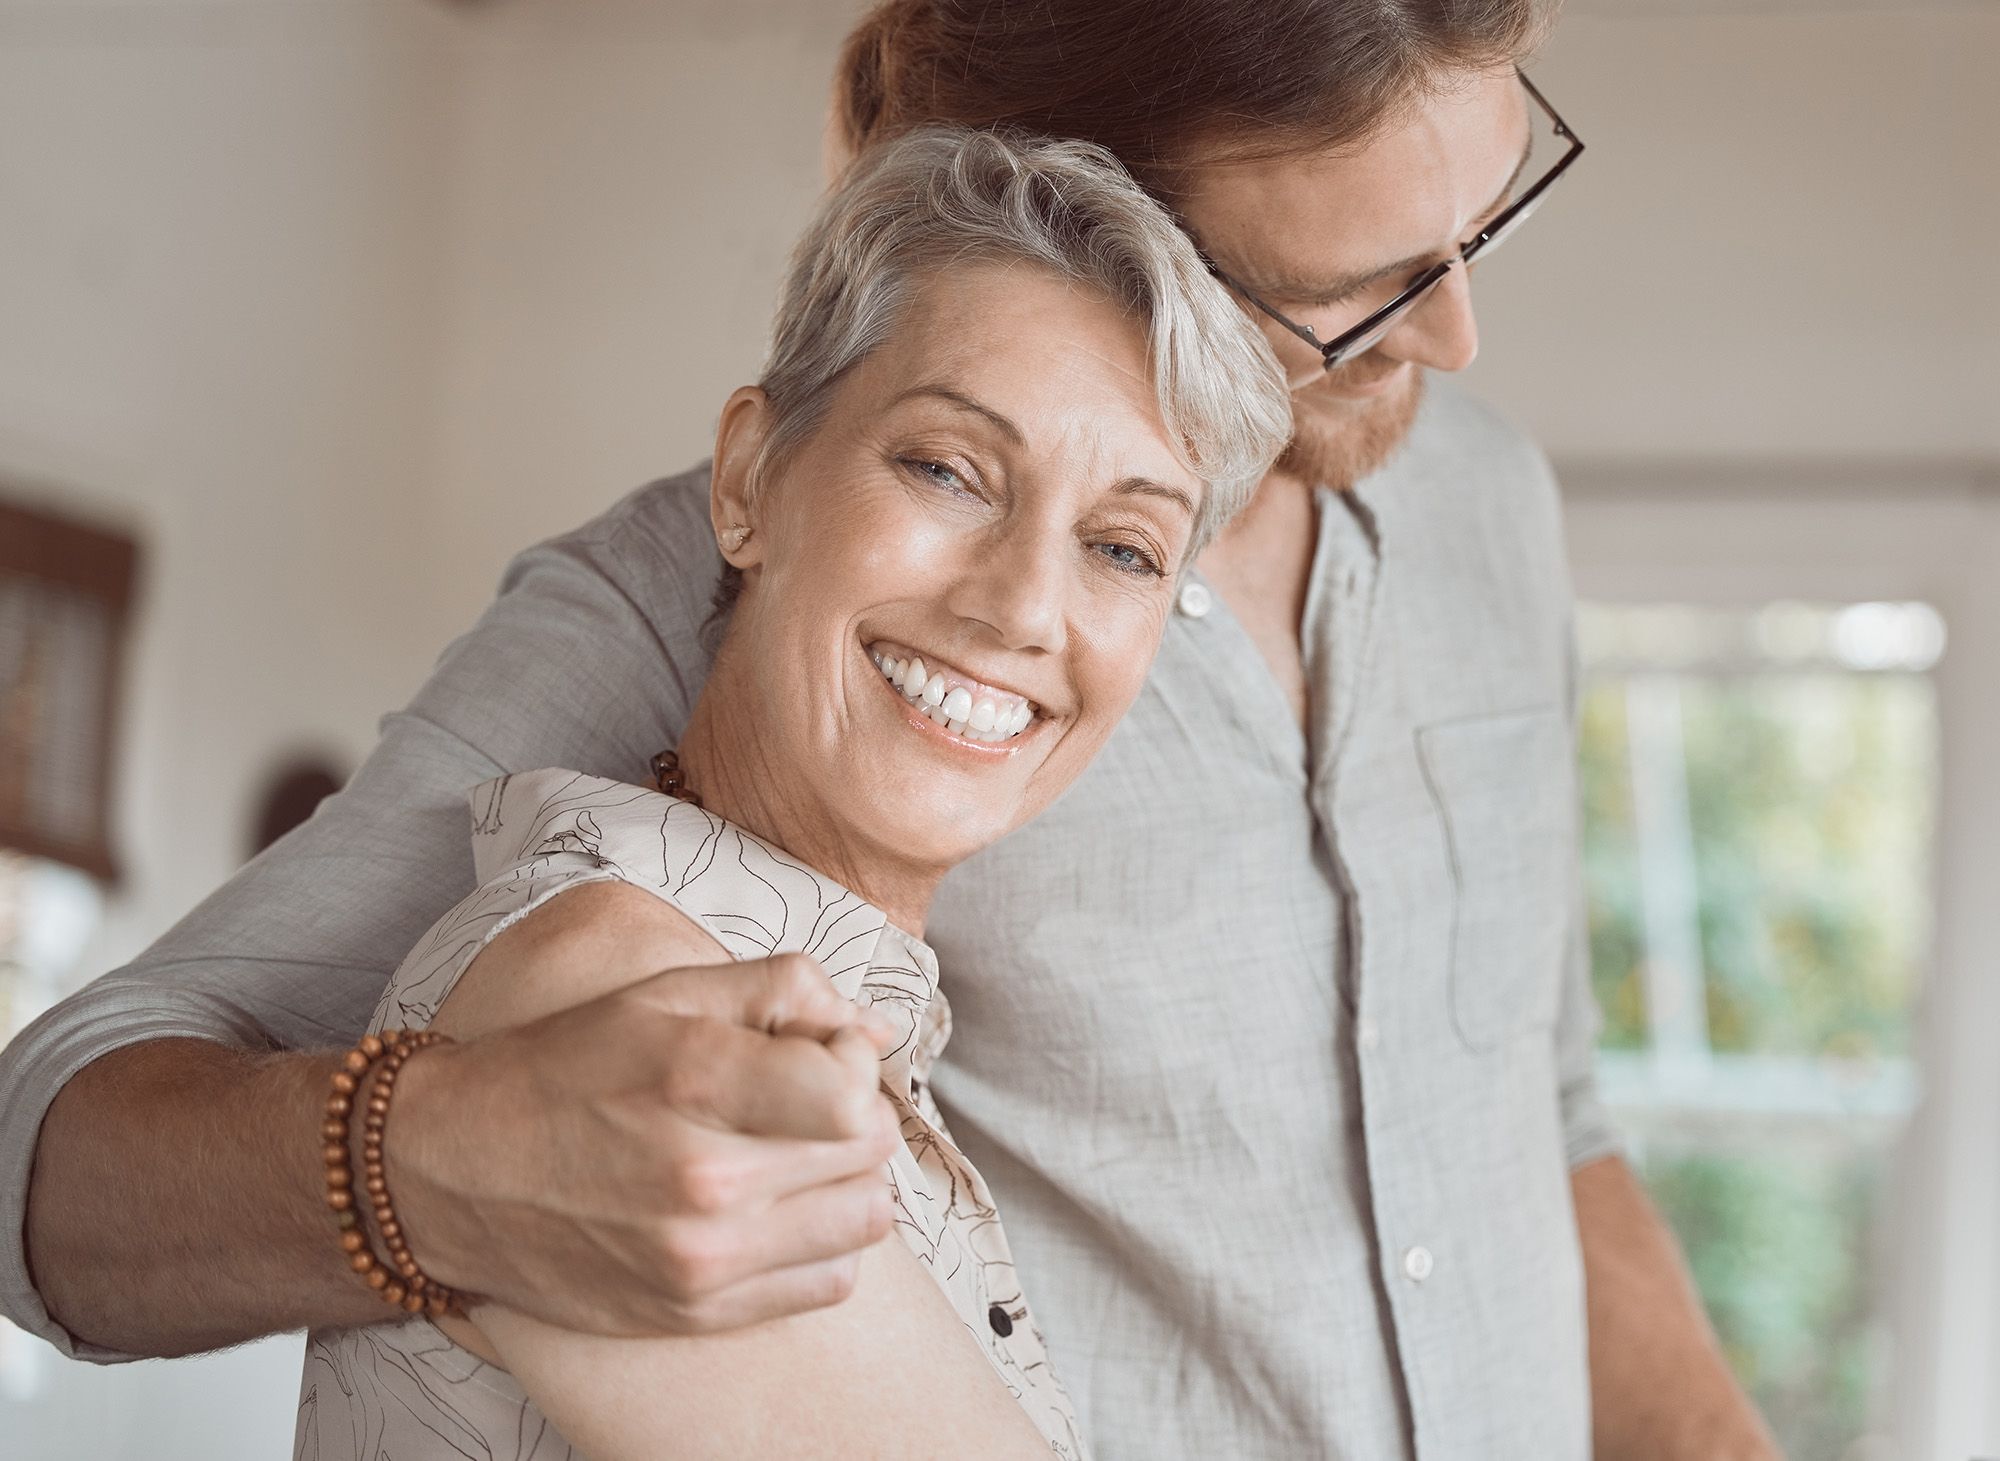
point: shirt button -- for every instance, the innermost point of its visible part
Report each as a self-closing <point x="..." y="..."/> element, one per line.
<point x="1195" y="600"/>
<point x="1417" y="1264"/>
<point x="1001" y="1320"/>
<point x="1367" y="1036"/>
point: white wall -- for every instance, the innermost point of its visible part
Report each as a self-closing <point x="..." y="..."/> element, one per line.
<point x="219" y="324"/>
<point x="341" y="302"/>
<point x="1779" y="243"/>
<point x="629" y="180"/>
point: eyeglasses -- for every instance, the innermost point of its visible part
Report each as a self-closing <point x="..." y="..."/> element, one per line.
<point x="1366" y="335"/>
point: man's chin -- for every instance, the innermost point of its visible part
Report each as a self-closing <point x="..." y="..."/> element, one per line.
<point x="1337" y="441"/>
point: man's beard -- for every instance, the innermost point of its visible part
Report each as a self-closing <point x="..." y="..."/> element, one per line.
<point x="1336" y="442"/>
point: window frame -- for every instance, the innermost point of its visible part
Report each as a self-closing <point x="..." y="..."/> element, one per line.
<point x="1734" y="534"/>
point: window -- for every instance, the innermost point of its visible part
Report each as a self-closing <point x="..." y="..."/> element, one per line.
<point x="1760" y="788"/>
<point x="47" y="914"/>
<point x="65" y="594"/>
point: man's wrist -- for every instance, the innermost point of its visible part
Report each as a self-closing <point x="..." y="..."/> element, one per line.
<point x="430" y="1095"/>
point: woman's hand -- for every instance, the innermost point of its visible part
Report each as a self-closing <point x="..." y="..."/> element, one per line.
<point x="691" y="1152"/>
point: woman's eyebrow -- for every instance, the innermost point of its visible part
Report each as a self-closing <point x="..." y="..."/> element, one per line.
<point x="963" y="402"/>
<point x="1146" y="486"/>
<point x="1124" y="486"/>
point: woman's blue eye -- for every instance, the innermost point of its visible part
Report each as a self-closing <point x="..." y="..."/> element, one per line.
<point x="1131" y="559"/>
<point x="938" y="472"/>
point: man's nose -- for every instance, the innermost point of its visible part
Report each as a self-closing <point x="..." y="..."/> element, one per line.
<point x="1016" y="583"/>
<point x="1440" y="332"/>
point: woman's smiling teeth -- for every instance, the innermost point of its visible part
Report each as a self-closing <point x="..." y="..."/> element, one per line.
<point x="954" y="700"/>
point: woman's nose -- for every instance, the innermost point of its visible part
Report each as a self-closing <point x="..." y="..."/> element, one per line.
<point x="1440" y="332"/>
<point x="1016" y="584"/>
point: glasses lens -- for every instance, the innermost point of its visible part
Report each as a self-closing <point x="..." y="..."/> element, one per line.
<point x="1480" y="248"/>
<point x="1547" y="148"/>
<point x="1371" y="337"/>
<point x="1364" y="343"/>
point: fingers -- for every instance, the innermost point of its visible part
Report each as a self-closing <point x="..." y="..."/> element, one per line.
<point x="775" y="1295"/>
<point x="732" y="1178"/>
<point x="732" y="1079"/>
<point x="764" y="1296"/>
<point x="855" y="1051"/>
<point x="716" y="1269"/>
<point x="786" y="994"/>
<point x="770" y="1047"/>
<point x="819" y="1223"/>
<point x="699" y="1150"/>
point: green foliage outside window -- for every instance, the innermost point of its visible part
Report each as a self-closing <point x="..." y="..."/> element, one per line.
<point x="1779" y="1243"/>
<point x="1611" y="870"/>
<point x="1810" y="797"/>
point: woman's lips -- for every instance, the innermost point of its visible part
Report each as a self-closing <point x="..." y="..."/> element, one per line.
<point x="950" y="697"/>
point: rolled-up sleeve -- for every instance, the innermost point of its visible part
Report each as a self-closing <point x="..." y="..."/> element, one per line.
<point x="1589" y="1132"/>
<point x="589" y="659"/>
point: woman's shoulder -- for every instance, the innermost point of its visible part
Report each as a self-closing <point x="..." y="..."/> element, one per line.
<point x="754" y="897"/>
<point x="556" y="817"/>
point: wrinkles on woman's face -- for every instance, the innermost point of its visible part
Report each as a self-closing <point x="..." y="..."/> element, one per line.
<point x="966" y="570"/>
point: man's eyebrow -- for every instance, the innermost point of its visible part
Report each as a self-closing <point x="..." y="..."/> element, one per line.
<point x="1146" y="486"/>
<point x="963" y="402"/>
<point x="1331" y="291"/>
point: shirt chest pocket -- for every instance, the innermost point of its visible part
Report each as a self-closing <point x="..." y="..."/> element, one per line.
<point x="1504" y="786"/>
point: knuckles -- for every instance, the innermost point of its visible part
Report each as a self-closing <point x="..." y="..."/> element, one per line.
<point x="831" y="1283"/>
<point x="795" y="973"/>
<point x="794" y="984"/>
<point x="858" y="1110"/>
<point x="697" y="1260"/>
<point x="687" y="1078"/>
<point x="709" y="1186"/>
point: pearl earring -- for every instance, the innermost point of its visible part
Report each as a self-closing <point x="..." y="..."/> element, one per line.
<point x="735" y="537"/>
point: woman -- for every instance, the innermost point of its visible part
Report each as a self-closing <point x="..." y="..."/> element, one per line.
<point x="1005" y="406"/>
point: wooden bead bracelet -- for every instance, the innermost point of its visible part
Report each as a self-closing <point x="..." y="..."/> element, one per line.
<point x="399" y="1281"/>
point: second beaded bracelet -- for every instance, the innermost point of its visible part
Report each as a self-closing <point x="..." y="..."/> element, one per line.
<point x="399" y="1281"/>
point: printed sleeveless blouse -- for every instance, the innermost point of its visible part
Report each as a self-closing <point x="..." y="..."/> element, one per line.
<point x="405" y="1390"/>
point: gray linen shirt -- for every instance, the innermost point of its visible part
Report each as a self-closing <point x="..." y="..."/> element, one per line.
<point x="1276" y="1048"/>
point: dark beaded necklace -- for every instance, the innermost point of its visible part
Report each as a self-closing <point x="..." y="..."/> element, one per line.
<point x="669" y="778"/>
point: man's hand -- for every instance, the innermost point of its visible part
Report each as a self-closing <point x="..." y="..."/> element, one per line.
<point x="699" y="1150"/>
<point x="694" y="1152"/>
<point x="1660" y="1389"/>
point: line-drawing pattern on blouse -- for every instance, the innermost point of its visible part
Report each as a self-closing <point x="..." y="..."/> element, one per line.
<point x="407" y="1389"/>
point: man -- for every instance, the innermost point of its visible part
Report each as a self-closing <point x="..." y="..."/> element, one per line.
<point x="1274" y="1036"/>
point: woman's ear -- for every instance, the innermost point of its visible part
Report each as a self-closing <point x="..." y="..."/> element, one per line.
<point x="732" y="488"/>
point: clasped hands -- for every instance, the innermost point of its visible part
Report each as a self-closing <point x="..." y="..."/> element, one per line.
<point x="692" y="1153"/>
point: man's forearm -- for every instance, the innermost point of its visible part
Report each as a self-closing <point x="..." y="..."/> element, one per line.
<point x="697" y="1151"/>
<point x="178" y="1201"/>
<point x="1660" y="1389"/>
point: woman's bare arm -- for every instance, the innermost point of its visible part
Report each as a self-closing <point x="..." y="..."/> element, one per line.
<point x="889" y="1373"/>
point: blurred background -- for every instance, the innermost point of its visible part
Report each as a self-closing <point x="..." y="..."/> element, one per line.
<point x="313" y="311"/>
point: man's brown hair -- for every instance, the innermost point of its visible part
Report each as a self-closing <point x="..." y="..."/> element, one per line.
<point x="1159" y="82"/>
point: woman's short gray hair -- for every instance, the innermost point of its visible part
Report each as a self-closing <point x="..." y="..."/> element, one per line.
<point x="944" y="196"/>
